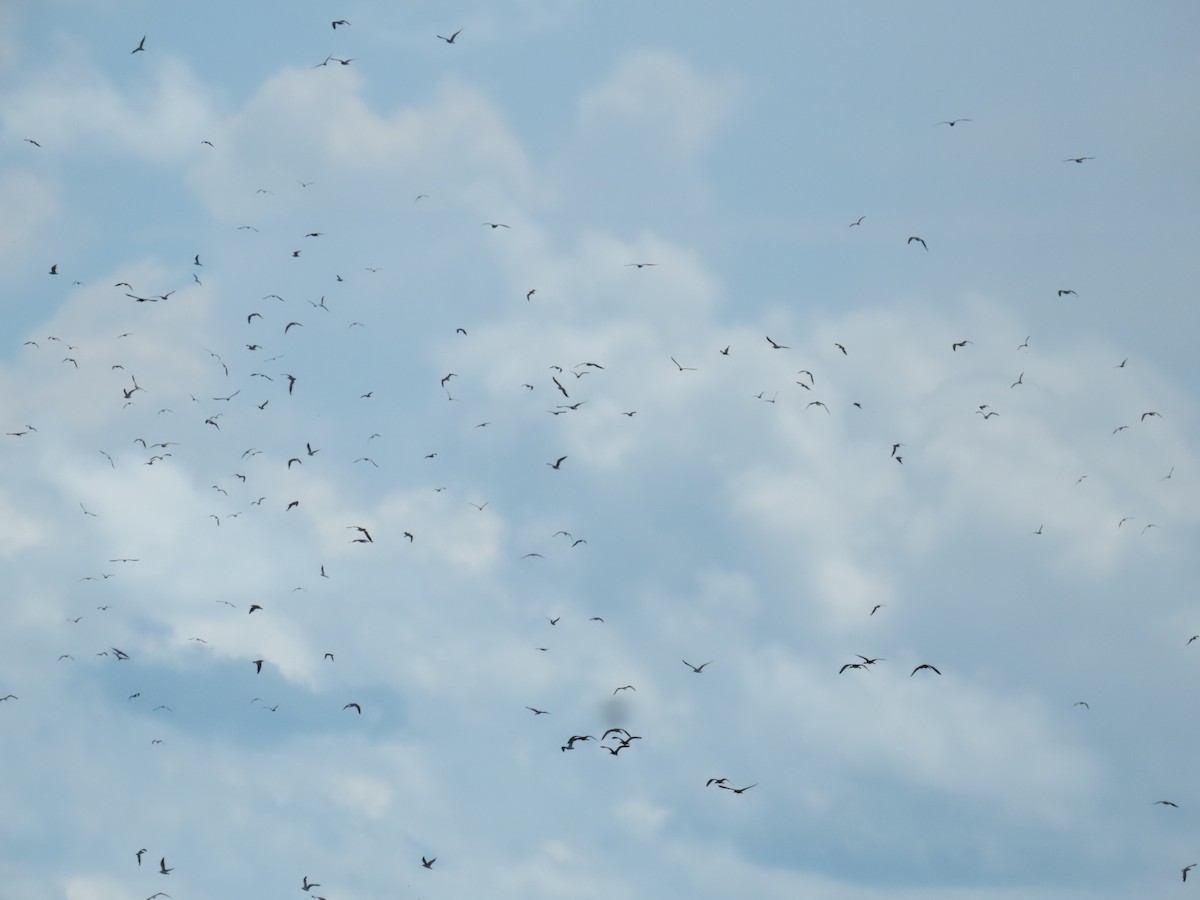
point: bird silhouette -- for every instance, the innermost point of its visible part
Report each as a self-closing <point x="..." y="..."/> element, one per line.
<point x="697" y="669"/>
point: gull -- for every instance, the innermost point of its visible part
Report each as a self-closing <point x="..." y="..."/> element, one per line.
<point x="1119" y="428"/>
<point x="1186" y="869"/>
<point x="1039" y="531"/>
<point x="951" y="122"/>
<point x="54" y="269"/>
<point x="1067" y="293"/>
<point x="355" y="706"/>
<point x="309" y="885"/>
<point x="1121" y="364"/>
<point x="162" y="863"/>
<point x="428" y="863"/>
<point x="1151" y="413"/>
<point x="558" y="462"/>
<point x="258" y="664"/>
<point x="716" y="781"/>
<point x="919" y="240"/>
<point x="851" y="666"/>
<point x="598" y="619"/>
<point x="1025" y="346"/>
<point x="682" y="368"/>
<point x="896" y="447"/>
<point x="820" y="404"/>
<point x="640" y="265"/>
<point x="448" y="40"/>
<point x="1018" y="381"/>
<point x="496" y="225"/>
<point x="553" y="621"/>
<point x="741" y="790"/>
<point x="529" y="294"/>
<point x="538" y="712"/>
<point x="775" y="346"/>
<point x="141" y="47"/>
<point x="625" y="687"/>
<point x="32" y="141"/>
<point x="954" y="346"/>
<point x="1077" y="159"/>
<point x="1082" y="703"/>
<point x="139" y="855"/>
<point x="338" y="22"/>
<point x="1148" y="527"/>
<point x="1164" y="803"/>
<point x="840" y="347"/>
<point x="1124" y="519"/>
<point x="859" y="222"/>
<point x="697" y="669"/>
<point x="1164" y="478"/>
<point x="923" y="666"/>
<point x="875" y="608"/>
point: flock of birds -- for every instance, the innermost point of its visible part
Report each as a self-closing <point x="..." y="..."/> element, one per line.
<point x="271" y="323"/>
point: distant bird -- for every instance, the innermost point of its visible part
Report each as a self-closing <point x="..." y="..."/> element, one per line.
<point x="741" y="790"/>
<point x="1067" y="293"/>
<point x="951" y="122"/>
<point x="141" y="47"/>
<point x="140" y="854"/>
<point x="353" y="706"/>
<point x="196" y="260"/>
<point x="697" y="669"/>
<point x="1082" y="703"/>
<point x="1186" y="869"/>
<point x="258" y="664"/>
<point x="640" y="265"/>
<point x="923" y="666"/>
<point x="1077" y="159"/>
<point x="859" y="222"/>
<point x="32" y="141"/>
<point x="919" y="240"/>
<point x="496" y="225"/>
<point x="840" y="347"/>
<point x="1020" y="380"/>
<point x="958" y="344"/>
<point x="1121" y="364"/>
<point x="875" y="609"/>
<point x="530" y="293"/>
<point x="309" y="885"/>
<point x="1151" y="413"/>
<point x="54" y="269"/>
<point x="253" y="607"/>
<point x="1024" y="346"/>
<point x="428" y="863"/>
<point x="553" y="621"/>
<point x="558" y="462"/>
<point x="1039" y="531"/>
<point x="338" y="22"/>
<point x="1164" y="803"/>
<point x="448" y="40"/>
<point x="682" y="368"/>
<point x="538" y="712"/>
<point x="162" y="863"/>
<point x="851" y="666"/>
<point x="775" y="346"/>
<point x="625" y="687"/>
<point x="716" y="781"/>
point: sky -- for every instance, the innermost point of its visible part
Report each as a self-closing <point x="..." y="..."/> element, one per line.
<point x="763" y="370"/>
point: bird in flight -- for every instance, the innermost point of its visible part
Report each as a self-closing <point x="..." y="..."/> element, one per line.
<point x="496" y="225"/>
<point x="428" y="863"/>
<point x="449" y="40"/>
<point x="741" y="790"/>
<point x="554" y="465"/>
<point x="697" y="669"/>
<point x="1067" y="292"/>
<point x="859" y="222"/>
<point x="625" y="687"/>
<point x="538" y="712"/>
<point x="162" y="867"/>
<point x="141" y="47"/>
<point x="952" y="122"/>
<point x="1164" y="803"/>
<point x="923" y="666"/>
<point x="919" y="240"/>
<point x="640" y="265"/>
<point x="1186" y="869"/>
<point x="1077" y="159"/>
<point x="308" y="885"/>
<point x="32" y="141"/>
<point x="682" y="368"/>
<point x="353" y="706"/>
<point x="1151" y="413"/>
<point x="775" y="346"/>
<point x="954" y="346"/>
<point x="339" y="22"/>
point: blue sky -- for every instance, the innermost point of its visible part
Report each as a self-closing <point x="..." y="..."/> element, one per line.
<point x="751" y="512"/>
